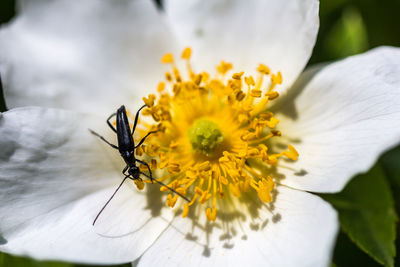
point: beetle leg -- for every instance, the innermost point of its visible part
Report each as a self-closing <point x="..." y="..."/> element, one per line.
<point x="151" y="178"/>
<point x="169" y="188"/>
<point x="124" y="170"/>
<point x="144" y="138"/>
<point x="102" y="138"/>
<point x="109" y="123"/>
<point x="136" y="119"/>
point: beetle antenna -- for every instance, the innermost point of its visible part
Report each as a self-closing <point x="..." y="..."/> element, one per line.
<point x="108" y="201"/>
<point x="161" y="183"/>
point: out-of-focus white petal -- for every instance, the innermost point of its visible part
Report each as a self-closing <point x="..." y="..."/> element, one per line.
<point x="54" y="179"/>
<point x="87" y="55"/>
<point x="280" y="34"/>
<point x="66" y="233"/>
<point x="298" y="229"/>
<point x="48" y="158"/>
<point x="343" y="119"/>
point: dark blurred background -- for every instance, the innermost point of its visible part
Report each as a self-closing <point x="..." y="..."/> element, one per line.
<point x="347" y="27"/>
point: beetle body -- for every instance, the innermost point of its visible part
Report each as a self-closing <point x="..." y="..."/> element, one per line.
<point x="126" y="144"/>
<point x="126" y="147"/>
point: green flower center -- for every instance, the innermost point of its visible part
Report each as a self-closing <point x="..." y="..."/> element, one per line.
<point x="205" y="136"/>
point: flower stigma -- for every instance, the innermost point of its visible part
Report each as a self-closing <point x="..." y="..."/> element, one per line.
<point x="213" y="134"/>
<point x="205" y="136"/>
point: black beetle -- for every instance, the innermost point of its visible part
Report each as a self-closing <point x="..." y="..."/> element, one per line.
<point x="126" y="147"/>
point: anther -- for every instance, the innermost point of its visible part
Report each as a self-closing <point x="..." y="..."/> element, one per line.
<point x="167" y="58"/>
<point x="263" y="69"/>
<point x="187" y="52"/>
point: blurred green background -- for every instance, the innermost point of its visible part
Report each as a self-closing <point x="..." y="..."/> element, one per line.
<point x="347" y="27"/>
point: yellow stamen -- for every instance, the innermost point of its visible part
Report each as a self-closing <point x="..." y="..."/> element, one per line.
<point x="224" y="67"/>
<point x="171" y="200"/>
<point x="213" y="133"/>
<point x="237" y="76"/>
<point x="185" y="210"/>
<point x="272" y="95"/>
<point x="167" y="58"/>
<point x="292" y="153"/>
<point x="187" y="52"/>
<point x="211" y="214"/>
<point x="263" y="69"/>
<point x="265" y="187"/>
<point x="256" y="93"/>
<point x="150" y="100"/>
<point x="249" y="81"/>
<point x="161" y="87"/>
<point x="139" y="184"/>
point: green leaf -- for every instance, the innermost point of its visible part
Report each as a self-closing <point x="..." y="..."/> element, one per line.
<point x="348" y="254"/>
<point x="14" y="261"/>
<point x="367" y="214"/>
<point x="348" y="36"/>
<point x="7" y="260"/>
<point x="390" y="163"/>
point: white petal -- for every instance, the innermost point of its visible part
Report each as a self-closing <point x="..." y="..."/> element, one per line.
<point x="280" y="34"/>
<point x="66" y="233"/>
<point x="299" y="231"/>
<point x="343" y="120"/>
<point x="81" y="55"/>
<point x="54" y="178"/>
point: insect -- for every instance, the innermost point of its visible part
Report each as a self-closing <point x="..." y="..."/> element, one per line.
<point x="126" y="147"/>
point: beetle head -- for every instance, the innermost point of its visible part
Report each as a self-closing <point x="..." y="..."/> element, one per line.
<point x="134" y="172"/>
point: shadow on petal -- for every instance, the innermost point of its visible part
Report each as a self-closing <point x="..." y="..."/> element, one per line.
<point x="286" y="105"/>
<point x="237" y="217"/>
<point x="3" y="241"/>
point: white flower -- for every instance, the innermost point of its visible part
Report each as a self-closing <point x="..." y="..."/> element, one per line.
<point x="79" y="63"/>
